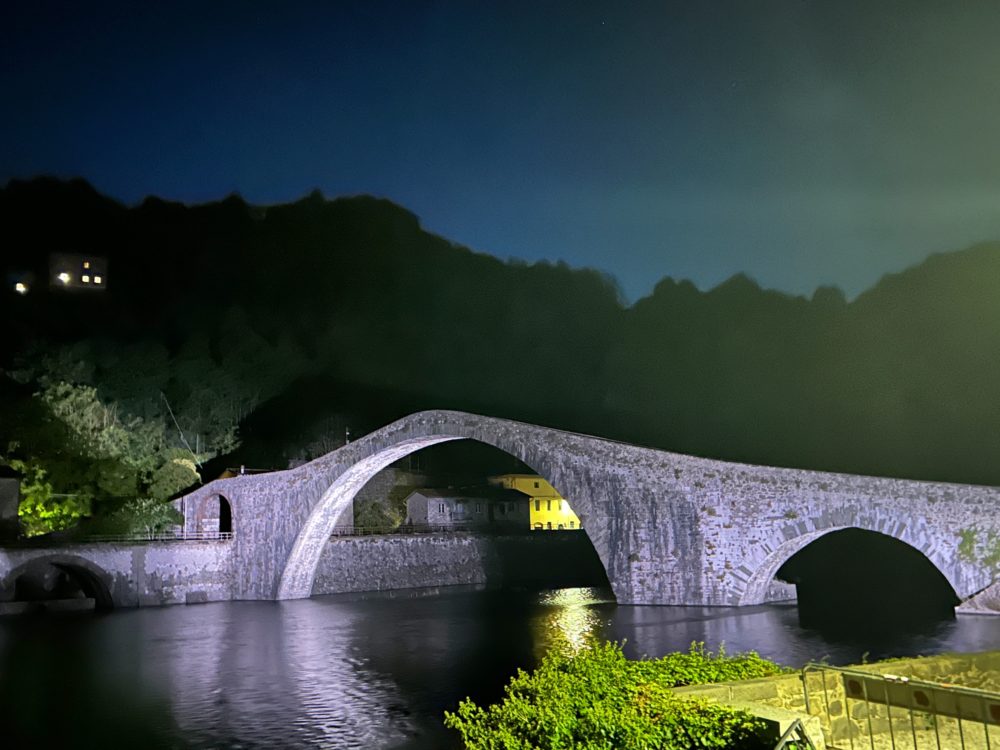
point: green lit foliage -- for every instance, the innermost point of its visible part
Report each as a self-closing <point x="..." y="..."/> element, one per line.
<point x="972" y="548"/>
<point x="141" y="517"/>
<point x="100" y="431"/>
<point x="235" y="303"/>
<point x="41" y="511"/>
<point x="967" y="545"/>
<point x="991" y="556"/>
<point x="109" y="423"/>
<point x="177" y="472"/>
<point x="372" y="513"/>
<point x="383" y="513"/>
<point x="596" y="699"/>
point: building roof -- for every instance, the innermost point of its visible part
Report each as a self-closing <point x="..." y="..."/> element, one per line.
<point x="490" y="494"/>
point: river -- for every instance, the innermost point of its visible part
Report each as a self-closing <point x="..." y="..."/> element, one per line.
<point x="373" y="671"/>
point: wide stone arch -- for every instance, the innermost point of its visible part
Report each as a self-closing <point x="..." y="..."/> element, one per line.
<point x="790" y="539"/>
<point x="527" y="445"/>
<point x="93" y="579"/>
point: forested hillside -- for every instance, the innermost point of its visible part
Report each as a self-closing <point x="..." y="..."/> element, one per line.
<point x="260" y="333"/>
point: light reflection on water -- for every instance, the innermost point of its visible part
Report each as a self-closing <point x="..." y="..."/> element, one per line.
<point x="346" y="672"/>
<point x="568" y="616"/>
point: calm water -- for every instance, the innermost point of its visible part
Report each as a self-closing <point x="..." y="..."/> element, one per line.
<point x="336" y="672"/>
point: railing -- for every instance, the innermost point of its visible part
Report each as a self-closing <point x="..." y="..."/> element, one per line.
<point x="181" y="536"/>
<point x="861" y="709"/>
<point x="169" y="536"/>
<point x="795" y="738"/>
<point x="468" y="528"/>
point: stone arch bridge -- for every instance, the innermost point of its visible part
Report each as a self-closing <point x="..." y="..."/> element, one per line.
<point x="669" y="528"/>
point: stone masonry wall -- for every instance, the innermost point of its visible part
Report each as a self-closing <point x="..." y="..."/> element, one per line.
<point x="836" y="719"/>
<point x="191" y="572"/>
<point x="404" y="561"/>
<point x="753" y="518"/>
<point x="138" y="574"/>
<point x="668" y="528"/>
<point x="401" y="562"/>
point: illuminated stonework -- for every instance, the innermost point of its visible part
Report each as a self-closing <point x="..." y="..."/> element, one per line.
<point x="297" y="579"/>
<point x="669" y="528"/>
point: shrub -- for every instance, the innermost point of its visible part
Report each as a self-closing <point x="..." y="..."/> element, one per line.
<point x="596" y="699"/>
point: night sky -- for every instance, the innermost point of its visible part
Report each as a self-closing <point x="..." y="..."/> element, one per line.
<point x="804" y="143"/>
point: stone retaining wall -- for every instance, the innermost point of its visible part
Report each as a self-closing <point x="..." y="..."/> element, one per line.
<point x="378" y="563"/>
<point x="401" y="561"/>
<point x="834" y="719"/>
<point x="136" y="575"/>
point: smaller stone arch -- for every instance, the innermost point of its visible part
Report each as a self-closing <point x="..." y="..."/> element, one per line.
<point x="210" y="514"/>
<point x="225" y="516"/>
<point x="756" y="586"/>
<point x="92" y="580"/>
<point x="791" y="539"/>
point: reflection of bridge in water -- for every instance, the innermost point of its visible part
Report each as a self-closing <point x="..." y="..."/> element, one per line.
<point x="668" y="528"/>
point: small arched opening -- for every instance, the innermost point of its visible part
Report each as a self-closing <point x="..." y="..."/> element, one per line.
<point x="214" y="517"/>
<point x="60" y="584"/>
<point x="225" y="516"/>
<point x="855" y="581"/>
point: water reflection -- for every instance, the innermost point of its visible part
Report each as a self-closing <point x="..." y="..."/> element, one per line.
<point x="343" y="672"/>
<point x="569" y="617"/>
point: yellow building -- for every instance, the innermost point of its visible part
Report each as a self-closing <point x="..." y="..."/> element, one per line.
<point x="548" y="510"/>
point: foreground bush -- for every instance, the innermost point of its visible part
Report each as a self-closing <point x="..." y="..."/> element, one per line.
<point x="596" y="699"/>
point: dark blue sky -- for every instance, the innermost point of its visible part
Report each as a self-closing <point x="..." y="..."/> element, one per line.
<point x="802" y="142"/>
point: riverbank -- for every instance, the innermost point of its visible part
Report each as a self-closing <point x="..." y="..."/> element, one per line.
<point x="921" y="699"/>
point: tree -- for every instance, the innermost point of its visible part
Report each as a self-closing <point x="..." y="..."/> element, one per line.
<point x="41" y="510"/>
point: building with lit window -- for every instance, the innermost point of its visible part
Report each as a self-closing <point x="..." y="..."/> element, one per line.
<point x="20" y="282"/>
<point x="74" y="271"/>
<point x="547" y="509"/>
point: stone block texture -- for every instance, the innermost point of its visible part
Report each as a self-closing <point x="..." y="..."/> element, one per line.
<point x="136" y="575"/>
<point x="668" y="528"/>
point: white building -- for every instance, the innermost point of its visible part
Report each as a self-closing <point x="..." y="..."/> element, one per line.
<point x="467" y="507"/>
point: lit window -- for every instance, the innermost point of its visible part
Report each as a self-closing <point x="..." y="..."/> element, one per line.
<point x="86" y="264"/>
<point x="21" y="288"/>
<point x="85" y="279"/>
<point x="97" y="279"/>
<point x="64" y="277"/>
